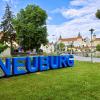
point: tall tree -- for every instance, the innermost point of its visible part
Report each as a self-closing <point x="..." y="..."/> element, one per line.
<point x="98" y="14"/>
<point x="30" y="25"/>
<point x="6" y="25"/>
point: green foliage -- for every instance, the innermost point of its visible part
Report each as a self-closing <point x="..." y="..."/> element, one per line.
<point x="98" y="47"/>
<point x="30" y="25"/>
<point x="61" y="47"/>
<point x="98" y="14"/>
<point x="6" y="24"/>
<point x="2" y="47"/>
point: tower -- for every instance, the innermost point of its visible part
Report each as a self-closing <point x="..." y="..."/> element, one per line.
<point x="79" y="34"/>
<point x="94" y="37"/>
<point x="60" y="37"/>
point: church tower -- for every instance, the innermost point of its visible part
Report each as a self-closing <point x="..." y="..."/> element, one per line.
<point x="60" y="37"/>
<point x="94" y="37"/>
<point x="79" y="35"/>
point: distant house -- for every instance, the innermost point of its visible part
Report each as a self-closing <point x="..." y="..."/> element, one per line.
<point x="75" y="42"/>
<point x="96" y="40"/>
<point x="79" y="43"/>
<point x="49" y="48"/>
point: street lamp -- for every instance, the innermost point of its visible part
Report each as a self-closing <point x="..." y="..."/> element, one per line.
<point x="91" y="30"/>
<point x="72" y="47"/>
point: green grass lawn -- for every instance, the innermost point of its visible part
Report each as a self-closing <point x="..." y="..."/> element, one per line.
<point x="81" y="82"/>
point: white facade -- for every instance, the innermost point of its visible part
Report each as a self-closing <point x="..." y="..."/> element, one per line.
<point x="49" y="48"/>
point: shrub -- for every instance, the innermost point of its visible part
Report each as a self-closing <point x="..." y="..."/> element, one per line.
<point x="2" y="47"/>
<point x="98" y="47"/>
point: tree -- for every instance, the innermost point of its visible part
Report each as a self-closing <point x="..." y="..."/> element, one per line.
<point x="98" y="14"/>
<point x="6" y="25"/>
<point x="61" y="46"/>
<point x="98" y="47"/>
<point x="30" y="25"/>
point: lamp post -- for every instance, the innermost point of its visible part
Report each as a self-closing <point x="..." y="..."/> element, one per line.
<point x="72" y="47"/>
<point x="91" y="30"/>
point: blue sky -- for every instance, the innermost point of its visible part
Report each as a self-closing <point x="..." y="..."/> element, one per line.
<point x="48" y="5"/>
<point x="65" y="17"/>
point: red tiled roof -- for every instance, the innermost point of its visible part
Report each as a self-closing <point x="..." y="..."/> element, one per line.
<point x="97" y="39"/>
<point x="70" y="39"/>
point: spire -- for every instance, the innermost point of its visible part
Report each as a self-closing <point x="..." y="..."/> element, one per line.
<point x="79" y="35"/>
<point x="60" y="37"/>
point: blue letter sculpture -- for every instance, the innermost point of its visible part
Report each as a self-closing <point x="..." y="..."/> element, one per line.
<point x="23" y="65"/>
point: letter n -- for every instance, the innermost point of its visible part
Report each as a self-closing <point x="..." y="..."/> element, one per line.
<point x="6" y="68"/>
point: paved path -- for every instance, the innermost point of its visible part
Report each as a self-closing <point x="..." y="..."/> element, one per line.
<point x="80" y="58"/>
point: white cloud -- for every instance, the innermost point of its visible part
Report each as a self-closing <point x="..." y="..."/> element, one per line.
<point x="6" y="0"/>
<point x="90" y="8"/>
<point x="79" y="2"/>
<point x="49" y="18"/>
<point x="83" y="20"/>
<point x="70" y="13"/>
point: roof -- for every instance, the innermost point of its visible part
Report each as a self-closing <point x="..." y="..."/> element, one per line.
<point x="70" y="39"/>
<point x="50" y="43"/>
<point x="97" y="39"/>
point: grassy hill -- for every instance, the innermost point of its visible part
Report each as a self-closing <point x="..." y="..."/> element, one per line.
<point x="82" y="82"/>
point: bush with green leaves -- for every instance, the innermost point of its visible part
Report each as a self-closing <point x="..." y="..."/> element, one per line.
<point x="61" y="47"/>
<point x="98" y="47"/>
<point x="2" y="47"/>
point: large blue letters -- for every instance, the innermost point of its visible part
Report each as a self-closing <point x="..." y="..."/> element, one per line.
<point x="6" y="68"/>
<point x="32" y="66"/>
<point x="23" y="65"/>
<point x="54" y="62"/>
<point x="43" y="63"/>
<point x="18" y="65"/>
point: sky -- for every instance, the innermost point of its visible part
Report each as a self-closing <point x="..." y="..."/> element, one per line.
<point x="65" y="17"/>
